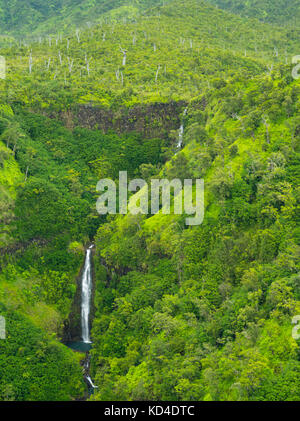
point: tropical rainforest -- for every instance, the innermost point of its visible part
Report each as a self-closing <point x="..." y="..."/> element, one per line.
<point x="180" y="313"/>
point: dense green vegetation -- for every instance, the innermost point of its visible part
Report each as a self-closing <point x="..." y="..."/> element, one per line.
<point x="181" y="313"/>
<point x="205" y="313"/>
<point x="49" y="213"/>
<point x="21" y="17"/>
<point x="281" y="12"/>
<point x="34" y="367"/>
<point x="25" y="17"/>
<point x="171" y="54"/>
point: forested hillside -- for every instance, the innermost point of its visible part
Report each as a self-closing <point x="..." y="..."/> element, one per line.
<point x="27" y="17"/>
<point x="171" y="55"/>
<point x="281" y="12"/>
<point x="179" y="313"/>
<point x="205" y="313"/>
<point x="23" y="17"/>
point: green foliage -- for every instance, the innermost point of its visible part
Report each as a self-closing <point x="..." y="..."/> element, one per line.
<point x="205" y="313"/>
<point x="279" y="11"/>
<point x="34" y="366"/>
<point x="22" y="17"/>
<point x="181" y="313"/>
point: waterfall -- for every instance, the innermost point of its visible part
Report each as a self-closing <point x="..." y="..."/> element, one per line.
<point x="91" y="382"/>
<point x="86" y="299"/>
<point x="181" y="131"/>
<point x="87" y="285"/>
<point x="180" y="136"/>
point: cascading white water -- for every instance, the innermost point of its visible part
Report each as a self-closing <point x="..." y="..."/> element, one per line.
<point x="91" y="382"/>
<point x="181" y="132"/>
<point x="87" y="285"/>
<point x="180" y="136"/>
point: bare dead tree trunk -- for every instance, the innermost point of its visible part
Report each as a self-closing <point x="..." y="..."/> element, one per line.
<point x="270" y="68"/>
<point x="124" y="56"/>
<point x="70" y="64"/>
<point x="30" y="63"/>
<point x="157" y="72"/>
<point x="77" y="35"/>
<point x="87" y="62"/>
<point x="267" y="125"/>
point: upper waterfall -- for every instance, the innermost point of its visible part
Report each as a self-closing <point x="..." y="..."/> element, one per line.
<point x="181" y="131"/>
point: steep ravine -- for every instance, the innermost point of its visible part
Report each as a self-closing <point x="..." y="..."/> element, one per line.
<point x="78" y="326"/>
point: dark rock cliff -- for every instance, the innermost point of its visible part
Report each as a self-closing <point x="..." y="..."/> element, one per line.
<point x="150" y="120"/>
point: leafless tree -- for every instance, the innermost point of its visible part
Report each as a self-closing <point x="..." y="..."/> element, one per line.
<point x="267" y="125"/>
<point x="26" y="173"/>
<point x="30" y="63"/>
<point x="124" y="56"/>
<point x="70" y="64"/>
<point x="87" y="62"/>
<point x="77" y="35"/>
<point x="157" y="73"/>
<point x="270" y="69"/>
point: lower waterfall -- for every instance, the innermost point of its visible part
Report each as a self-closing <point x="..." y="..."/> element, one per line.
<point x="86" y="293"/>
<point x="85" y="345"/>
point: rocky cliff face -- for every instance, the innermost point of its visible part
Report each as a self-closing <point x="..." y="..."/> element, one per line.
<point x="155" y="120"/>
<point x="151" y="120"/>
